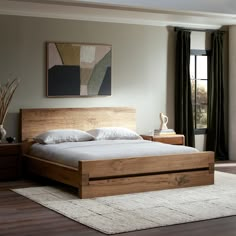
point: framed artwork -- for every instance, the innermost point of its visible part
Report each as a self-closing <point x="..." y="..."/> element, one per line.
<point x="78" y="69"/>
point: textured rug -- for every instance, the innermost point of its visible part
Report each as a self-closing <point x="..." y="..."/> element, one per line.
<point x="129" y="212"/>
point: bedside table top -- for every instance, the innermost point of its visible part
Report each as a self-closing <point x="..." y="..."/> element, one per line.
<point x="164" y="136"/>
<point x="9" y="144"/>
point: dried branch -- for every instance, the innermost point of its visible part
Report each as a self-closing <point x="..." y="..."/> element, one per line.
<point x="6" y="93"/>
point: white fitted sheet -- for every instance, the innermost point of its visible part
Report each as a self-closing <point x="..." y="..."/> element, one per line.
<point x="69" y="153"/>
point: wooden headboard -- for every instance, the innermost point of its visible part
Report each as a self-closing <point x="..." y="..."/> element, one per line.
<point x="36" y="121"/>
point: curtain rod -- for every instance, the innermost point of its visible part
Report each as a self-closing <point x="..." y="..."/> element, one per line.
<point x="198" y="30"/>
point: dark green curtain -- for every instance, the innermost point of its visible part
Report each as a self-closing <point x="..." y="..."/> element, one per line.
<point x="215" y="123"/>
<point x="183" y="100"/>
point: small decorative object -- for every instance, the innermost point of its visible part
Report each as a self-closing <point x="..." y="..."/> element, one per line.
<point x="2" y="133"/>
<point x="10" y="139"/>
<point x="163" y="127"/>
<point x="164" y="121"/>
<point x="6" y="93"/>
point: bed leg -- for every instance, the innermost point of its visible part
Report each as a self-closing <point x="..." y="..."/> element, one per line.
<point x="211" y="168"/>
<point x="84" y="181"/>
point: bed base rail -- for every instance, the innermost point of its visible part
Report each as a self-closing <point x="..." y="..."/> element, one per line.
<point x="142" y="174"/>
<point x="131" y="175"/>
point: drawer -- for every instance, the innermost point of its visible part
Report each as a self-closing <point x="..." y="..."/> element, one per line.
<point x="8" y="161"/>
<point x="147" y="137"/>
<point x="177" y="139"/>
<point x="8" y="173"/>
<point x="9" y="149"/>
<point x="170" y="140"/>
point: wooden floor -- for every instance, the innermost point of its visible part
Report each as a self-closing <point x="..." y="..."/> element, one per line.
<point x="21" y="216"/>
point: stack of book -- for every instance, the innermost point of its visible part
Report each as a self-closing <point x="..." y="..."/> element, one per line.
<point x="164" y="132"/>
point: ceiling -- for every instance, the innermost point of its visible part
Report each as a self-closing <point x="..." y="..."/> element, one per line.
<point x="216" y="6"/>
<point x="182" y="13"/>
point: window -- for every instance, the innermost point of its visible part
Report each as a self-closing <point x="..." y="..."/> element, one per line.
<point x="199" y="75"/>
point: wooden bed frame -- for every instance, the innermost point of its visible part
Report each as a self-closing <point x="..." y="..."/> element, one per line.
<point x="115" y="176"/>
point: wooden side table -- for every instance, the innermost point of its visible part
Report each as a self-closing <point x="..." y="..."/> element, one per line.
<point x="177" y="139"/>
<point x="10" y="161"/>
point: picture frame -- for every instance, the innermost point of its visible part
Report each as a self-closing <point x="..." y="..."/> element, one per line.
<point x="78" y="69"/>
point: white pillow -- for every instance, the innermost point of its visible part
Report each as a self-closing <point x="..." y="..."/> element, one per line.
<point x="63" y="135"/>
<point x="112" y="133"/>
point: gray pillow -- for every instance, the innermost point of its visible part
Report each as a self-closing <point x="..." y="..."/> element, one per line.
<point x="112" y="133"/>
<point x="63" y="135"/>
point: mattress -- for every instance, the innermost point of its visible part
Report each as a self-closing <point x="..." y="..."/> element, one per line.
<point x="69" y="153"/>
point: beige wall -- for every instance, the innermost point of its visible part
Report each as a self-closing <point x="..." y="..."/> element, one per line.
<point x="143" y="60"/>
<point x="142" y="66"/>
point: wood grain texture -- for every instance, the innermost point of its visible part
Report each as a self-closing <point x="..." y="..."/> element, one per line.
<point x="142" y="165"/>
<point x="108" y="187"/>
<point x="64" y="174"/>
<point x="177" y="139"/>
<point x="36" y="121"/>
<point x="154" y="173"/>
<point x="119" y="177"/>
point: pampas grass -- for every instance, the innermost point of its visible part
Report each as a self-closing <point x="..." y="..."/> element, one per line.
<point x="6" y="93"/>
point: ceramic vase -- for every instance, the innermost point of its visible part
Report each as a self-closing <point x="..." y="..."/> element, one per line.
<point x="2" y="133"/>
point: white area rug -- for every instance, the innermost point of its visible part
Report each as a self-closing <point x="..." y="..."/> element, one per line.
<point x="129" y="212"/>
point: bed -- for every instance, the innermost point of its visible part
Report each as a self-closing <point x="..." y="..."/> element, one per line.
<point x="95" y="178"/>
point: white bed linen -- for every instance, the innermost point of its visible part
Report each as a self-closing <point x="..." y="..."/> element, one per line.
<point x="69" y="153"/>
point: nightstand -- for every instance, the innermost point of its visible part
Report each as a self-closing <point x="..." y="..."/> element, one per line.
<point x="177" y="139"/>
<point x="10" y="161"/>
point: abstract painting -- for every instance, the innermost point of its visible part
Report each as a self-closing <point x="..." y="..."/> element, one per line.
<point x="76" y="69"/>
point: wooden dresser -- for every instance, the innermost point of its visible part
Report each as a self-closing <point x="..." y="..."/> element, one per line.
<point x="10" y="161"/>
<point x="177" y="139"/>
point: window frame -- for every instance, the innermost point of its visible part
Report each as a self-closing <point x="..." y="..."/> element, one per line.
<point x="195" y="53"/>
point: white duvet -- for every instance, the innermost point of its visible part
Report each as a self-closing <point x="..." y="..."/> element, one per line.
<point x="70" y="153"/>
